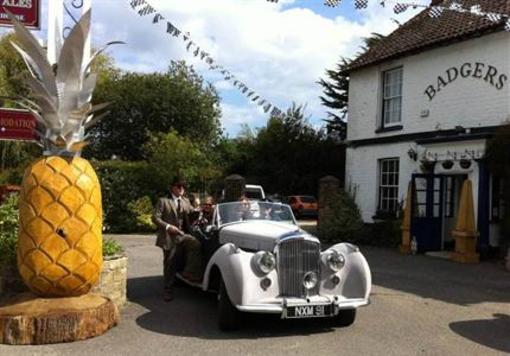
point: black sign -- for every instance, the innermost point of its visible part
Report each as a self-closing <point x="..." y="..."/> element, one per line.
<point x="477" y="70"/>
<point x="308" y="311"/>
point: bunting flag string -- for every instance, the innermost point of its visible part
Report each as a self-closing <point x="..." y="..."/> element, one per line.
<point x="435" y="11"/>
<point x="143" y="8"/>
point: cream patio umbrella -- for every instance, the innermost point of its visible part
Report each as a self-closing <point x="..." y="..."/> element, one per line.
<point x="465" y="233"/>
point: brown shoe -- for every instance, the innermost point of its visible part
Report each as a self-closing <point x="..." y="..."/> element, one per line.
<point x="168" y="296"/>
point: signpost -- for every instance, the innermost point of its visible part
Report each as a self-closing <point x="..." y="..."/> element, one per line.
<point x="26" y="11"/>
<point x="17" y="125"/>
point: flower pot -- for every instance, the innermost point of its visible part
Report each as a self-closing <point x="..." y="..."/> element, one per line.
<point x="447" y="164"/>
<point x="465" y="163"/>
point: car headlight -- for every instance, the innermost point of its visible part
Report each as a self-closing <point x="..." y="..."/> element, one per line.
<point x="265" y="261"/>
<point x="335" y="260"/>
<point x="310" y="280"/>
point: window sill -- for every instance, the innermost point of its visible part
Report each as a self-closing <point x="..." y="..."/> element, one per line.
<point x="389" y="129"/>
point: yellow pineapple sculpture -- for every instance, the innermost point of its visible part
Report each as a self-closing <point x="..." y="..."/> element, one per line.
<point x="60" y="239"/>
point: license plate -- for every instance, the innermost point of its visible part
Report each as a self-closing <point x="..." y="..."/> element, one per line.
<point x="308" y="311"/>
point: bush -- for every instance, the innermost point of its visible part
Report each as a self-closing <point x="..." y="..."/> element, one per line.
<point x="9" y="221"/>
<point x="345" y="223"/>
<point x="111" y="247"/>
<point x="142" y="210"/>
<point x="122" y="185"/>
<point x="384" y="234"/>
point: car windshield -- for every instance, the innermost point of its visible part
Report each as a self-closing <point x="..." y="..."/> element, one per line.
<point x="255" y="210"/>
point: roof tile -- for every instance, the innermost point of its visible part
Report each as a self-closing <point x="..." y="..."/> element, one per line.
<point x="423" y="32"/>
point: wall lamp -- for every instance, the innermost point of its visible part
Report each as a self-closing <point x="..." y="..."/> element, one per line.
<point x="412" y="154"/>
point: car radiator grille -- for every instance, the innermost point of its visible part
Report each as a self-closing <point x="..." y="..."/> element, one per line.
<point x="296" y="257"/>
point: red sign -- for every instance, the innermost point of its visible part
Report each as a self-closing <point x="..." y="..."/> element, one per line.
<point x="17" y="125"/>
<point x="26" y="11"/>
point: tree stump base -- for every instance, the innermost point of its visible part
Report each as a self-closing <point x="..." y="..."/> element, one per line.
<point x="27" y="319"/>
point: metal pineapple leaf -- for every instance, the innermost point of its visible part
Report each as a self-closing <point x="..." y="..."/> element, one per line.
<point x="62" y="92"/>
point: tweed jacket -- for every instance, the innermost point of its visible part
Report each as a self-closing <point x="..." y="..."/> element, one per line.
<point x="165" y="212"/>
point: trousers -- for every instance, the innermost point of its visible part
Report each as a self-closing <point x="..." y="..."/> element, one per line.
<point x="193" y="266"/>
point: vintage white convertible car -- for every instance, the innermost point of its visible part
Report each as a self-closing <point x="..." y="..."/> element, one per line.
<point x="260" y="261"/>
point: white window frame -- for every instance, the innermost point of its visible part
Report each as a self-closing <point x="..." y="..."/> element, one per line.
<point x="385" y="185"/>
<point x="392" y="93"/>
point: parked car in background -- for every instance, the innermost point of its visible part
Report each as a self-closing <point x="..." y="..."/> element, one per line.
<point x="303" y="205"/>
<point x="254" y="192"/>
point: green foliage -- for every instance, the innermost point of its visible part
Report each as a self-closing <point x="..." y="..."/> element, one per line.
<point x="111" y="247"/>
<point x="171" y="155"/>
<point x="123" y="183"/>
<point x="386" y="233"/>
<point x="345" y="223"/>
<point x="144" y="104"/>
<point x="12" y="71"/>
<point x="288" y="156"/>
<point x="142" y="209"/>
<point x="9" y="221"/>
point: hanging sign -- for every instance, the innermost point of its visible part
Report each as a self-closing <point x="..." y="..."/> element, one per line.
<point x="26" y="11"/>
<point x="17" y="125"/>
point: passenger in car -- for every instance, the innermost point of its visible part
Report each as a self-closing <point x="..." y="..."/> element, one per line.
<point x="244" y="208"/>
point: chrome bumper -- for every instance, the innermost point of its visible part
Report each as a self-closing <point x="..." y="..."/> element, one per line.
<point x="278" y="305"/>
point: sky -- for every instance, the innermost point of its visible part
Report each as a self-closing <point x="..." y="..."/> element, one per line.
<point x="280" y="50"/>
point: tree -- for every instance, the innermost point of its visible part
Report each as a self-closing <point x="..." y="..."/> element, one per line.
<point x="336" y="89"/>
<point x="12" y="72"/>
<point x="289" y="156"/>
<point x="171" y="155"/>
<point x="177" y="100"/>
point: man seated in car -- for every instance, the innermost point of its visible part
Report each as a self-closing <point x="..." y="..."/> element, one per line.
<point x="244" y="209"/>
<point x="206" y="212"/>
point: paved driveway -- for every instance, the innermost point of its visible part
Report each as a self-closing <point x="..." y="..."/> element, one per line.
<point x="420" y="305"/>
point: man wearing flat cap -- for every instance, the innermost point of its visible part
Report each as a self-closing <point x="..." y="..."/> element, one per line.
<point x="171" y="216"/>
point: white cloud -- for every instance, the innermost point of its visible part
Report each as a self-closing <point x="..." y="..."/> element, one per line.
<point x="234" y="116"/>
<point x="278" y="50"/>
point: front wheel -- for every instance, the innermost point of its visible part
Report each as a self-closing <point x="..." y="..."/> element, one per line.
<point x="228" y="315"/>
<point x="345" y="317"/>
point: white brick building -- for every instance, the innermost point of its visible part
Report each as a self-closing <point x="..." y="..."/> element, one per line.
<point x="425" y="98"/>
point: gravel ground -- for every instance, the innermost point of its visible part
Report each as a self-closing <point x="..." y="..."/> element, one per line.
<point x="420" y="305"/>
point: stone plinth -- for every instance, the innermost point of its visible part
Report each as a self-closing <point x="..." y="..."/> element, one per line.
<point x="328" y="192"/>
<point x="27" y="319"/>
<point x="465" y="248"/>
<point x="234" y="187"/>
<point x="112" y="283"/>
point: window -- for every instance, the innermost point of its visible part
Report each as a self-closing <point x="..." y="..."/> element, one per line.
<point x="497" y="201"/>
<point x="388" y="184"/>
<point x="392" y="97"/>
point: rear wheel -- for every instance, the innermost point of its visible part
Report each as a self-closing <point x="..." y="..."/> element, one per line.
<point x="228" y="315"/>
<point x="346" y="317"/>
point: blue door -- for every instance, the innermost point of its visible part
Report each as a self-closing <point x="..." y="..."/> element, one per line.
<point x="427" y="212"/>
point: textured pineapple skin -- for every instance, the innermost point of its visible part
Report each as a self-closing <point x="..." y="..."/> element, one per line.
<point x="60" y="237"/>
